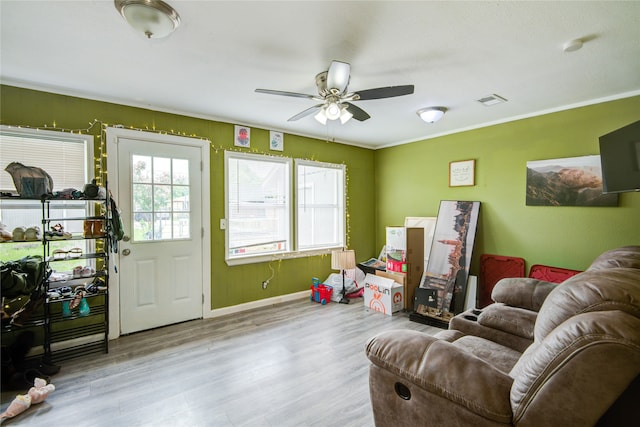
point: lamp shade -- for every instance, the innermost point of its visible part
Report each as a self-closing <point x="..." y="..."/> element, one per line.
<point x="343" y="260"/>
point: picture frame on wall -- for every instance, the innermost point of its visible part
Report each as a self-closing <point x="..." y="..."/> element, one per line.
<point x="242" y="136"/>
<point x="276" y="141"/>
<point x="569" y="181"/>
<point x="462" y="173"/>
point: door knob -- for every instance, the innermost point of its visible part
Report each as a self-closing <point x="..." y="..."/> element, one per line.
<point x="126" y="238"/>
<point x="126" y="252"/>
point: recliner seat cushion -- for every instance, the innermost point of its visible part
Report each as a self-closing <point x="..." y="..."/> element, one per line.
<point x="498" y="356"/>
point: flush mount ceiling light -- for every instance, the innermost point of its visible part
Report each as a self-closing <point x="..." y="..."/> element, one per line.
<point x="572" y="45"/>
<point x="155" y="18"/>
<point x="431" y="114"/>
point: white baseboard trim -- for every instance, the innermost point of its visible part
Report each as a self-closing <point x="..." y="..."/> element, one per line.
<point x="218" y="312"/>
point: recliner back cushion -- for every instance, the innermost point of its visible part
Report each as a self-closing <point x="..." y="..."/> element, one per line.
<point x="587" y="363"/>
<point x="593" y="290"/>
<point x="626" y="256"/>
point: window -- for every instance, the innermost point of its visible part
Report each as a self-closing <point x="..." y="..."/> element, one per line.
<point x="65" y="157"/>
<point x="160" y="189"/>
<point x="320" y="205"/>
<point x="261" y="212"/>
<point x="258" y="204"/>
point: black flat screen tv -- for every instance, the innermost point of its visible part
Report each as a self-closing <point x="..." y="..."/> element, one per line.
<point x="620" y="159"/>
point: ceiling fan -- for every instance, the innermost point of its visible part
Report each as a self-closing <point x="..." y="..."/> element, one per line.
<point x="335" y="100"/>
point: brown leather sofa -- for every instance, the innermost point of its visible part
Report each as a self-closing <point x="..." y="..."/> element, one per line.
<point x="541" y="355"/>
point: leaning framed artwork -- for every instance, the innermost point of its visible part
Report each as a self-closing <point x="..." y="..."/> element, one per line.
<point x="462" y="173"/>
<point x="450" y="255"/>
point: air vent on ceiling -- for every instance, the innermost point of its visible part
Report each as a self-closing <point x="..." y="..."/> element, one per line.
<point x="492" y="99"/>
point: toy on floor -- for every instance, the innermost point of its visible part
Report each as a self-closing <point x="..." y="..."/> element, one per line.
<point x="36" y="394"/>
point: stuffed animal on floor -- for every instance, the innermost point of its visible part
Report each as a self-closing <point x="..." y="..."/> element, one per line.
<point x="36" y="394"/>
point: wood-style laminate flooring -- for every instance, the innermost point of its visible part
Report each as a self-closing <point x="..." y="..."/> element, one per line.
<point x="292" y="364"/>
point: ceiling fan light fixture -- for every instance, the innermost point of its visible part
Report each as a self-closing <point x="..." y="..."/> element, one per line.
<point x="338" y="76"/>
<point x="155" y="18"/>
<point x="332" y="111"/>
<point x="431" y="114"/>
<point x="345" y="116"/>
<point x="321" y="117"/>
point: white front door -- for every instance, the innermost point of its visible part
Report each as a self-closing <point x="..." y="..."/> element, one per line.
<point x="159" y="264"/>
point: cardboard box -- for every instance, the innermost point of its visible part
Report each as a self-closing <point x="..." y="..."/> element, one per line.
<point x="382" y="294"/>
<point x="396" y="249"/>
<point x="400" y="278"/>
<point x="405" y="254"/>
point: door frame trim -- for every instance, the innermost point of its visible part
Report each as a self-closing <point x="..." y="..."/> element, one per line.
<point x="113" y="134"/>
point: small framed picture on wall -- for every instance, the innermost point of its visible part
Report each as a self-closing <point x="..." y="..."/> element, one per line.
<point x="276" y="141"/>
<point x="242" y="137"/>
<point x="462" y="173"/>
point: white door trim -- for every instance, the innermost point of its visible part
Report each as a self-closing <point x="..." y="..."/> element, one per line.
<point x="113" y="134"/>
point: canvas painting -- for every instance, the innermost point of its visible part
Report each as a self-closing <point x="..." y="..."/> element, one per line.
<point x="572" y="181"/>
<point x="450" y="255"/>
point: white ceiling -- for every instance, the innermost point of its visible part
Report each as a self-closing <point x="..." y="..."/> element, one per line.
<point x="453" y="52"/>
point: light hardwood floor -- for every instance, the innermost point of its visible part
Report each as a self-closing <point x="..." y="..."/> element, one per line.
<point x="293" y="364"/>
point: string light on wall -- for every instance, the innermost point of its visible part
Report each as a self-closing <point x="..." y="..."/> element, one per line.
<point x="100" y="157"/>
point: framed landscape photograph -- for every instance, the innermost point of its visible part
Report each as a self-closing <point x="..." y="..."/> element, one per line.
<point x="571" y="181"/>
<point x="462" y="173"/>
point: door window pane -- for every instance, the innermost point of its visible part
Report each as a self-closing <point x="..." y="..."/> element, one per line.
<point x="160" y="191"/>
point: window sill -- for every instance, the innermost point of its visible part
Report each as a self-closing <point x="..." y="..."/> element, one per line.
<point x="277" y="257"/>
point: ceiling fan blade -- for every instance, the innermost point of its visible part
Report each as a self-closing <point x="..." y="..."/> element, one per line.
<point x="283" y="93"/>
<point x="338" y="76"/>
<point x="384" y="92"/>
<point x="358" y="113"/>
<point x="306" y="112"/>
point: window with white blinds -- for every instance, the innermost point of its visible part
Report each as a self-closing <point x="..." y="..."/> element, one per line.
<point x="258" y="193"/>
<point x="63" y="156"/>
<point x="320" y="201"/>
<point x="262" y="210"/>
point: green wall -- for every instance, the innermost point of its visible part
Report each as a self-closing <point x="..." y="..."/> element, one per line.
<point x="411" y="180"/>
<point x="230" y="285"/>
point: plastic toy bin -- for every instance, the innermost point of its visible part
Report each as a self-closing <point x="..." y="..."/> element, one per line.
<point x="321" y="293"/>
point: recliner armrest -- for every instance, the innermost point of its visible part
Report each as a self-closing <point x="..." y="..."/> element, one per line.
<point x="445" y="370"/>
<point x="522" y="292"/>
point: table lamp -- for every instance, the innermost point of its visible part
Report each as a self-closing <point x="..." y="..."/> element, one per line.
<point x="343" y="260"/>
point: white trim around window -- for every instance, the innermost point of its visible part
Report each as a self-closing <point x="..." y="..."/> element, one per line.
<point x="266" y="219"/>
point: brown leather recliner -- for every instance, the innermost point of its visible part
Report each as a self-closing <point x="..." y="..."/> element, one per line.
<point x="544" y="355"/>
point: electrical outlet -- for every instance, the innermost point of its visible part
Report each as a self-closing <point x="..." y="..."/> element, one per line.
<point x="265" y="284"/>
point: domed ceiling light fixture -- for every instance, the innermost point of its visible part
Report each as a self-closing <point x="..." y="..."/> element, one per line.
<point x="155" y="18"/>
<point x="431" y="114"/>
